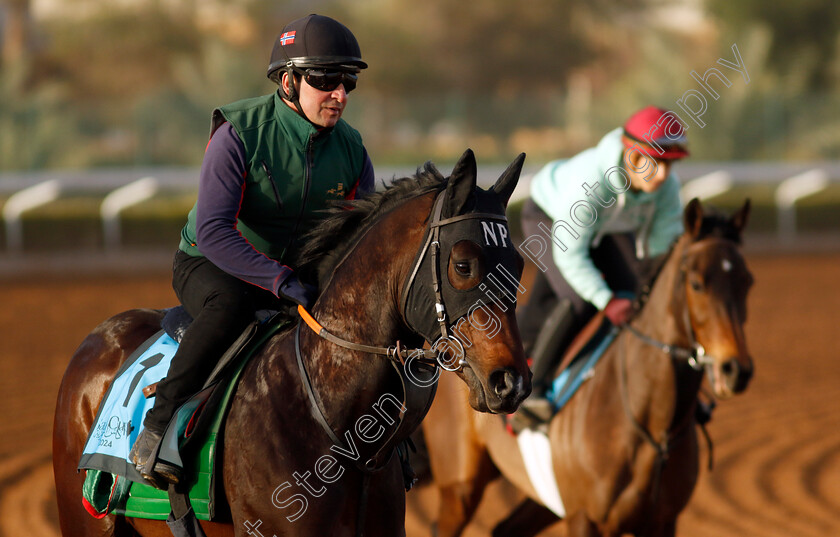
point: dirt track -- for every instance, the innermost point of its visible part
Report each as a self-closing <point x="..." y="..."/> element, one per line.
<point x="777" y="448"/>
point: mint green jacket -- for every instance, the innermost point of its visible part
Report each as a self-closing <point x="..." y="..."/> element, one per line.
<point x="559" y="190"/>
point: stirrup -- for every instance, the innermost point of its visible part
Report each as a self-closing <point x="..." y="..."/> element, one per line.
<point x="157" y="472"/>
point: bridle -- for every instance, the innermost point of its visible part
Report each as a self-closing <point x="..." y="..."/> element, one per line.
<point x="694" y="355"/>
<point x="397" y="352"/>
<point x="431" y="246"/>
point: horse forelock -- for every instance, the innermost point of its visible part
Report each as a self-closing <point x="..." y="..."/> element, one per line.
<point x="347" y="221"/>
<point x="716" y="224"/>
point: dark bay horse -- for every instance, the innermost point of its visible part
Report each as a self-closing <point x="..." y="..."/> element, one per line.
<point x="371" y="252"/>
<point x="624" y="449"/>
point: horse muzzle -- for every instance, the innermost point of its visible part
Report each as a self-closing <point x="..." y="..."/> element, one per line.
<point x="730" y="377"/>
<point x="501" y="393"/>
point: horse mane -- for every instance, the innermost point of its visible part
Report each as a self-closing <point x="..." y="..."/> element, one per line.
<point x="346" y="222"/>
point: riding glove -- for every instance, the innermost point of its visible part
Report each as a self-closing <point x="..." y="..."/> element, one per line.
<point x="619" y="310"/>
<point x="296" y="291"/>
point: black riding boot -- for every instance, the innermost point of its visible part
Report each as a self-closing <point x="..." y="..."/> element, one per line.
<point x="145" y="448"/>
<point x="548" y="348"/>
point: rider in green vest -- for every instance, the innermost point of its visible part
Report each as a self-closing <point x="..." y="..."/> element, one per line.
<point x="272" y="163"/>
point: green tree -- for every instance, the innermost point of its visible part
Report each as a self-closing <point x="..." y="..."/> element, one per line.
<point x="804" y="40"/>
<point x="484" y="46"/>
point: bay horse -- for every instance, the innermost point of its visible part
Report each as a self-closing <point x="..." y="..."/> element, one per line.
<point x="624" y="448"/>
<point x="367" y="255"/>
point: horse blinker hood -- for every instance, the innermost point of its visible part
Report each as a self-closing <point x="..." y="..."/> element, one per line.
<point x="463" y="211"/>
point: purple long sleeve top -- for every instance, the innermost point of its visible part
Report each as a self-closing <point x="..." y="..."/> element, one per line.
<point x="220" y="190"/>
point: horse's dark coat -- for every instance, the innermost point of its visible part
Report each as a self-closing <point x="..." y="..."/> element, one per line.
<point x="279" y="465"/>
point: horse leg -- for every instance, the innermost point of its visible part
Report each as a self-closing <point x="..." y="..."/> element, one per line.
<point x="459" y="500"/>
<point x="527" y="520"/>
<point x="579" y="525"/>
<point x="460" y="463"/>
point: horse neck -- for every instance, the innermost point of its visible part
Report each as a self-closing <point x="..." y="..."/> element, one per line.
<point x="662" y="315"/>
<point x="670" y="385"/>
<point x="360" y="303"/>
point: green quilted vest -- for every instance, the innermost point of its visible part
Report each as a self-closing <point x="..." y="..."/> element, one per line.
<point x="293" y="171"/>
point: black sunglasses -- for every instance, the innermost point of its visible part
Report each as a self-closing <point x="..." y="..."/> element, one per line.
<point x="324" y="80"/>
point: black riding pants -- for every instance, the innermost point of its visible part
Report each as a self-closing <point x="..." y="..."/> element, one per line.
<point x="614" y="256"/>
<point x="221" y="306"/>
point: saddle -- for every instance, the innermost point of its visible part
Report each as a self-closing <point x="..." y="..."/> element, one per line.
<point x="112" y="484"/>
<point x="584" y="352"/>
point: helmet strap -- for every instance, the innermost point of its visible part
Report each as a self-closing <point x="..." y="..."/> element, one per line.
<point x="292" y="94"/>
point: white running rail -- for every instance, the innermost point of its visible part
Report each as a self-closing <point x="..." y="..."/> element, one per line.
<point x="22" y="201"/>
<point x="117" y="201"/>
<point x="792" y="190"/>
<point x="706" y="186"/>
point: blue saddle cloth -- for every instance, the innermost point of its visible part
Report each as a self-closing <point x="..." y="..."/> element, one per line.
<point x="121" y="414"/>
<point x="113" y="485"/>
<point x="579" y="370"/>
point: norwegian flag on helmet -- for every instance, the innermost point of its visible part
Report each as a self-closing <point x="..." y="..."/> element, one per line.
<point x="287" y="38"/>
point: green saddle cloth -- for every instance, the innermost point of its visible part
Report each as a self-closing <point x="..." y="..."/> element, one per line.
<point x="104" y="493"/>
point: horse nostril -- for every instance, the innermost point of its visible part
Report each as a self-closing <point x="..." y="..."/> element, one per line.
<point x="504" y="382"/>
<point x="745" y="373"/>
<point x="737" y="375"/>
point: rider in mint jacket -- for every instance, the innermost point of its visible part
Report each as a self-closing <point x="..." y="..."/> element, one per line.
<point x="272" y="163"/>
<point x="609" y="211"/>
<point x="654" y="218"/>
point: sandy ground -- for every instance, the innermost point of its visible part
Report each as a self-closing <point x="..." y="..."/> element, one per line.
<point x="777" y="447"/>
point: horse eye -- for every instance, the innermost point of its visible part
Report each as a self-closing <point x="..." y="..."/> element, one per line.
<point x="462" y="268"/>
<point x="696" y="285"/>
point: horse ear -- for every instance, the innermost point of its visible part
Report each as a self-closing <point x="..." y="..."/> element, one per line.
<point x="506" y="184"/>
<point x="461" y="185"/>
<point x="741" y="216"/>
<point x="693" y="217"/>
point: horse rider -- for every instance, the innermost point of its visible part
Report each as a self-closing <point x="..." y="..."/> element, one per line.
<point x="611" y="210"/>
<point x="272" y="163"/>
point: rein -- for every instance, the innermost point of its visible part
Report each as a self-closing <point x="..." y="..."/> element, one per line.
<point x="395" y="353"/>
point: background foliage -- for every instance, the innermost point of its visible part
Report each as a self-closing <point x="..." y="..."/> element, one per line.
<point x="85" y="83"/>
